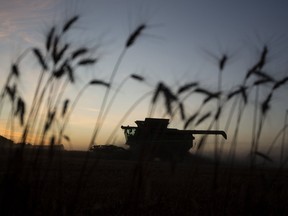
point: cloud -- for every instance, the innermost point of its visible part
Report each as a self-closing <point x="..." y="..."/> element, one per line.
<point x="90" y="109"/>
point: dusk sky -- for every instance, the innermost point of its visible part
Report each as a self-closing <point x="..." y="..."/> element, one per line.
<point x="183" y="42"/>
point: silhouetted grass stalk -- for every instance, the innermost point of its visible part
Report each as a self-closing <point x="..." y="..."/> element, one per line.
<point x="110" y="104"/>
<point x="125" y="116"/>
<point x="130" y="41"/>
<point x="283" y="143"/>
<point x="104" y="101"/>
<point x="217" y="156"/>
<point x="254" y="129"/>
<point x="67" y="114"/>
<point x="34" y="111"/>
<point x="14" y="72"/>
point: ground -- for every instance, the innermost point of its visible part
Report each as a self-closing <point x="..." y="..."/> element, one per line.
<point x="81" y="183"/>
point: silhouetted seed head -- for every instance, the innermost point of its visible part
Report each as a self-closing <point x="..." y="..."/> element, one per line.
<point x="65" y="107"/>
<point x="70" y="72"/>
<point x="133" y="37"/>
<point x="64" y="68"/>
<point x="280" y="83"/>
<point x="87" y="61"/>
<point x="190" y="120"/>
<point x="50" y="38"/>
<point x="78" y="52"/>
<point x="186" y="87"/>
<point x="203" y="118"/>
<point x="20" y="110"/>
<point x="40" y="58"/>
<point x="263" y="57"/>
<point x="55" y="49"/>
<point x="66" y="138"/>
<point x="222" y="62"/>
<point x="19" y="106"/>
<point x="15" y="70"/>
<point x="99" y="82"/>
<point x="69" y="23"/>
<point x="49" y="121"/>
<point x="59" y="73"/>
<point x="60" y="54"/>
<point x="137" y="77"/>
<point x="51" y="115"/>
<point x="11" y="91"/>
<point x="157" y="92"/>
<point x="168" y="96"/>
<point x="266" y="104"/>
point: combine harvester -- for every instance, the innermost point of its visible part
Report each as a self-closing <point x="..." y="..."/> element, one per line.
<point x="152" y="138"/>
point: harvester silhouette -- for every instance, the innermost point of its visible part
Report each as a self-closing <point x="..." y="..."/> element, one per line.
<point x="152" y="139"/>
